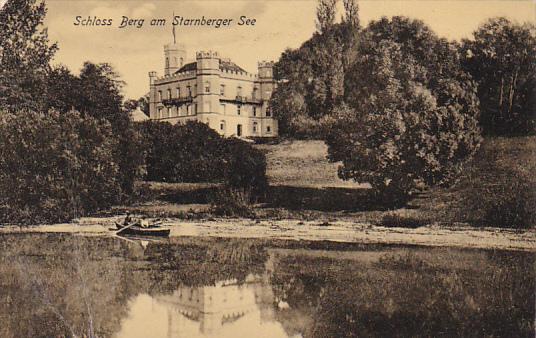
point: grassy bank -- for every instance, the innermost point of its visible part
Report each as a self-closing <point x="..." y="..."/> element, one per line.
<point x="304" y="185"/>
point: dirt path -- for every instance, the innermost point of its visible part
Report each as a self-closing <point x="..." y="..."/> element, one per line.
<point x="340" y="231"/>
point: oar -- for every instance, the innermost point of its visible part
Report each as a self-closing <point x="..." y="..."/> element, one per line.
<point x="124" y="228"/>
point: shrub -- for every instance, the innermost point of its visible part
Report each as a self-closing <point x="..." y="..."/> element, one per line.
<point x="196" y="153"/>
<point x="55" y="167"/>
<point x="244" y="166"/>
<point x="232" y="202"/>
<point x="510" y="203"/>
<point x="181" y="153"/>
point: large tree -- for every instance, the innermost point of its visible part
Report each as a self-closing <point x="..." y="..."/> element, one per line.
<point x="96" y="93"/>
<point x="501" y="57"/>
<point x="25" y="54"/>
<point x="410" y="114"/>
<point x="54" y="167"/>
<point x="311" y="78"/>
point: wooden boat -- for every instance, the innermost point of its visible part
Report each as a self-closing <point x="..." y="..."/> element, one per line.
<point x="138" y="230"/>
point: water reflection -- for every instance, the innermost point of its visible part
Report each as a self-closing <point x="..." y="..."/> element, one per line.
<point x="69" y="286"/>
<point x="226" y="309"/>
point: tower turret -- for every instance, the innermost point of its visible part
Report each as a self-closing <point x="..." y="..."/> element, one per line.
<point x="175" y="57"/>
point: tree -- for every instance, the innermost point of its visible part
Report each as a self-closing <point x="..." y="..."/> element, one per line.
<point x="25" y="54"/>
<point x="54" y="167"/>
<point x="325" y="14"/>
<point x="351" y="12"/>
<point x="502" y="59"/>
<point x="312" y="77"/>
<point x="402" y="124"/>
<point x="96" y="93"/>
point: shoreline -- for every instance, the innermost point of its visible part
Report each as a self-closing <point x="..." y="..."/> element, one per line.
<point x="312" y="231"/>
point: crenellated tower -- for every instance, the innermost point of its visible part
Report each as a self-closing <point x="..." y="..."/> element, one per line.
<point x="208" y="84"/>
<point x="152" y="94"/>
<point x="175" y="57"/>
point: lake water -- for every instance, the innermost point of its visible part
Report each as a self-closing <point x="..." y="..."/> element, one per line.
<point x="54" y="285"/>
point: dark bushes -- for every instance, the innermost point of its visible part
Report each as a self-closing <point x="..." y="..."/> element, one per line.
<point x="55" y="167"/>
<point x="510" y="203"/>
<point x="186" y="153"/>
<point x="195" y="153"/>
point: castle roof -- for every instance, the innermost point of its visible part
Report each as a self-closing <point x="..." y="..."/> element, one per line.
<point x="224" y="65"/>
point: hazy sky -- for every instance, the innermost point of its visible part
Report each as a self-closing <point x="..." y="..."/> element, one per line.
<point x="279" y="25"/>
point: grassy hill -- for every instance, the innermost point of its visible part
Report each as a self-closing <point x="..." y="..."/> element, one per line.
<point x="497" y="188"/>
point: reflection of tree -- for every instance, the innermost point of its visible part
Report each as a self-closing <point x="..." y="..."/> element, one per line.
<point x="408" y="295"/>
<point x="63" y="286"/>
<point x="203" y="263"/>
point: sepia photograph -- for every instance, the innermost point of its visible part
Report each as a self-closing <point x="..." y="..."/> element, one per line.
<point x="267" y="168"/>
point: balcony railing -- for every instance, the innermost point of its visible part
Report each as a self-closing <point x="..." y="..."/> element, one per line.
<point x="239" y="99"/>
<point x="177" y="101"/>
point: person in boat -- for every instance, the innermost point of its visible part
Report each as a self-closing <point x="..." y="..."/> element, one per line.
<point x="127" y="219"/>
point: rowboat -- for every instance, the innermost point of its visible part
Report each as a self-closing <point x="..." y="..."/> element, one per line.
<point x="137" y="230"/>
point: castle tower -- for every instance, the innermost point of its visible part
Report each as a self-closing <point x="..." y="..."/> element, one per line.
<point x="175" y="57"/>
<point x="208" y="84"/>
<point x="266" y="79"/>
<point x="152" y="94"/>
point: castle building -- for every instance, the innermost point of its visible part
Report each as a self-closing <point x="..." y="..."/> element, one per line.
<point x="215" y="91"/>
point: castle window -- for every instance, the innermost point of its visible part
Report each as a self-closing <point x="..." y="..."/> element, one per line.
<point x="195" y="107"/>
<point x="188" y="109"/>
<point x="254" y="127"/>
<point x="239" y="91"/>
<point x="254" y="111"/>
<point x="182" y="61"/>
<point x="255" y="91"/>
<point x="167" y="62"/>
<point x="222" y="106"/>
<point x="268" y="112"/>
<point x="268" y="129"/>
<point x="238" y="107"/>
<point x="222" y="90"/>
<point x="222" y="125"/>
<point x="207" y="87"/>
<point x="159" y="112"/>
<point x="169" y="93"/>
<point x="178" y="92"/>
<point x="168" y="112"/>
<point x="159" y="95"/>
<point x="189" y="91"/>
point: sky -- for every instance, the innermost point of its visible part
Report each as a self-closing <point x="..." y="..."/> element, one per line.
<point x="279" y="25"/>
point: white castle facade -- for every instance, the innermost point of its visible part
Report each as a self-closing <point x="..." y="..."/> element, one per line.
<point x="215" y="91"/>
